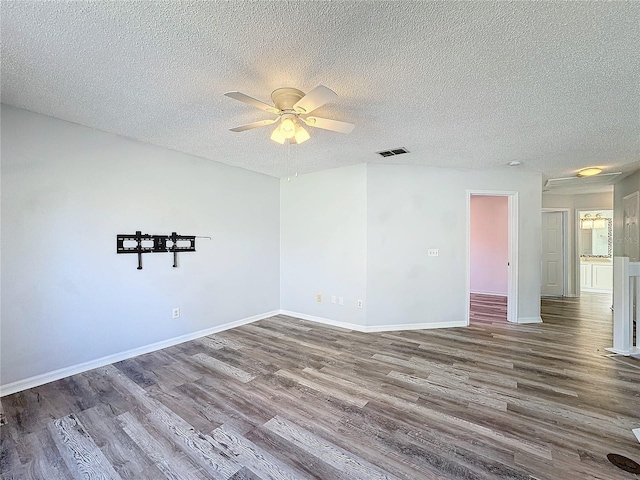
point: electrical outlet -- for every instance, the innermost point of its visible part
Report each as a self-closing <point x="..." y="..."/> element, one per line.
<point x="359" y="303"/>
<point x="340" y="300"/>
<point x="333" y="299"/>
<point x="432" y="252"/>
<point x="175" y="313"/>
<point x="318" y="298"/>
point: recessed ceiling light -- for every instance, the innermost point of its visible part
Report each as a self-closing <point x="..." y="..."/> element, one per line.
<point x="515" y="163"/>
<point x="589" y="172"/>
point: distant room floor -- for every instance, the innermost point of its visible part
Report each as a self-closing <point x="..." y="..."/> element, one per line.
<point x="487" y="308"/>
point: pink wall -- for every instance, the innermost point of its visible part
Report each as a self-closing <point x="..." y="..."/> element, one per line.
<point x="489" y="244"/>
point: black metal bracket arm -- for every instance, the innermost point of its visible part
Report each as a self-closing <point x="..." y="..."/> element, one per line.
<point x="139" y="244"/>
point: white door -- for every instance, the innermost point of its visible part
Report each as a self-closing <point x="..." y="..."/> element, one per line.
<point x="631" y="229"/>
<point x="552" y="254"/>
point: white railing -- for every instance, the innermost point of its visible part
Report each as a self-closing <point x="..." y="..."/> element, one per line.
<point x="626" y="289"/>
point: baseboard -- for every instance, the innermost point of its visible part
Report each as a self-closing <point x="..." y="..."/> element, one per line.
<point x="325" y="321"/>
<point x="493" y="294"/>
<point x="529" y="320"/>
<point x="596" y="290"/>
<point x="631" y="352"/>
<point x="41" y="379"/>
<point x="415" y="326"/>
<point x="374" y="328"/>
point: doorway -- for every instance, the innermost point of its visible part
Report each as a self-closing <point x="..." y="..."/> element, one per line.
<point x="595" y="250"/>
<point x="492" y="256"/>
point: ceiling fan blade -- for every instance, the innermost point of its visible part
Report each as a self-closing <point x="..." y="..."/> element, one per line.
<point x="253" y="102"/>
<point x="249" y="126"/>
<point x="327" y="124"/>
<point x="314" y="99"/>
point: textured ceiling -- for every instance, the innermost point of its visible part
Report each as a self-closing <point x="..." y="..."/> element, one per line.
<point x="554" y="85"/>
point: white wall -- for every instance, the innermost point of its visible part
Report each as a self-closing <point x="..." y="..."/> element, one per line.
<point x="411" y="209"/>
<point x="68" y="298"/>
<point x="323" y="244"/>
<point x="363" y="232"/>
<point x="593" y="201"/>
<point x="583" y="201"/>
<point x="489" y="245"/>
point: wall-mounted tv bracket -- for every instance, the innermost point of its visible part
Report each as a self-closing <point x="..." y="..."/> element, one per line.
<point x="139" y="243"/>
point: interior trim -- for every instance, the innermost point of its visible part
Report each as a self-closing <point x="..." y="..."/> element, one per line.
<point x="47" y="377"/>
<point x="374" y="328"/>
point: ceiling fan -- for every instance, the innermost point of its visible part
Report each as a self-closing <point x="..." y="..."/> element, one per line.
<point x="292" y="107"/>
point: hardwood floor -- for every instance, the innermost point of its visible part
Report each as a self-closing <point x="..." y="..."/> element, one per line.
<point x="487" y="309"/>
<point x="288" y="399"/>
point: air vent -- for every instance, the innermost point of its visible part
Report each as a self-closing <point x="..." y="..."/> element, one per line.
<point x="391" y="153"/>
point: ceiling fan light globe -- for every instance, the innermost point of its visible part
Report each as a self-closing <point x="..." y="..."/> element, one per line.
<point x="277" y="136"/>
<point x="301" y="135"/>
<point x="288" y="128"/>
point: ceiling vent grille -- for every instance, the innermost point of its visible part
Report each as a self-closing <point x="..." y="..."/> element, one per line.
<point x="391" y="153"/>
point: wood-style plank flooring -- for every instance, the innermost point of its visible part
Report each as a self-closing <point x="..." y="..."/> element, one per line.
<point x="487" y="309"/>
<point x="289" y="399"/>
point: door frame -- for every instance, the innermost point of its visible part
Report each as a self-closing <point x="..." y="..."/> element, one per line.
<point x="512" y="270"/>
<point x="565" y="248"/>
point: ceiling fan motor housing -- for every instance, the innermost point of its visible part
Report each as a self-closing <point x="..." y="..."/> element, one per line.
<point x="286" y="98"/>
